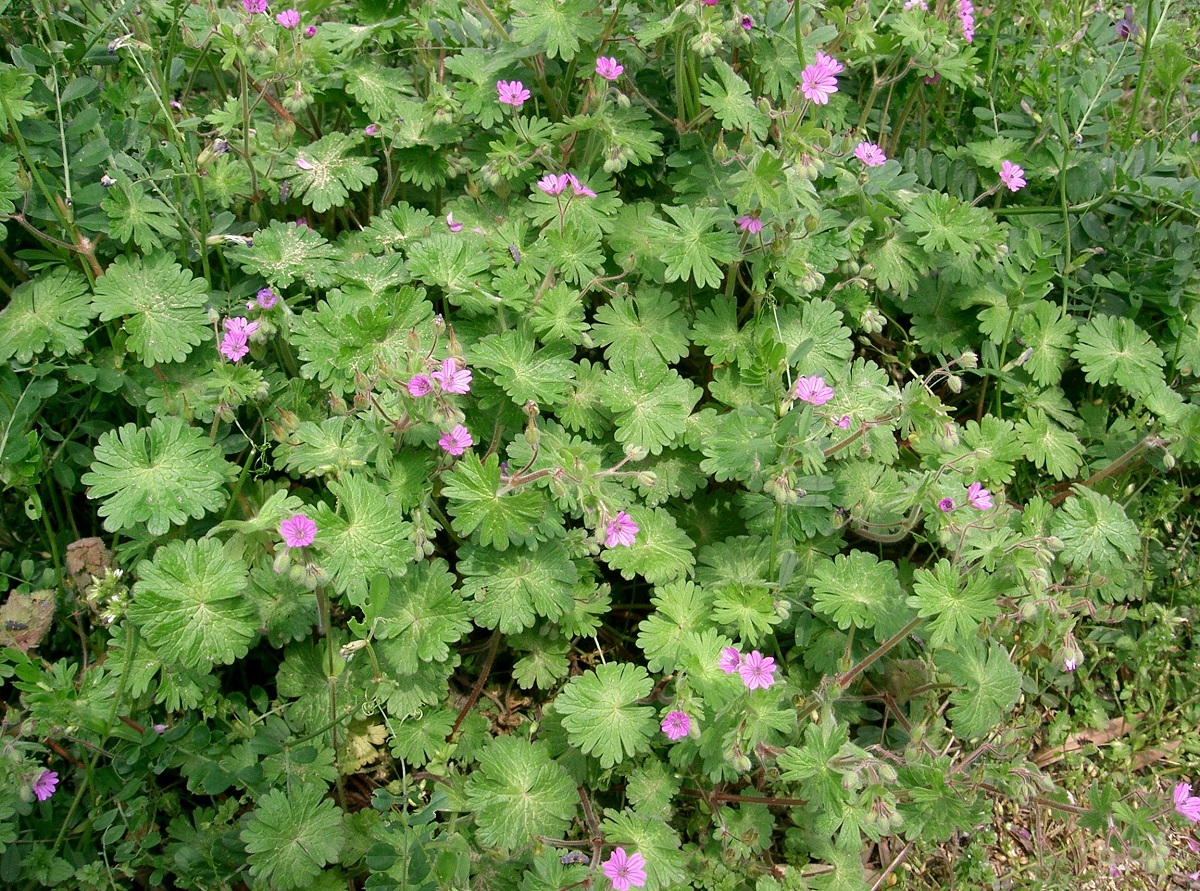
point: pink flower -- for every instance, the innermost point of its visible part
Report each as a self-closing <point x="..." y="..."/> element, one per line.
<point x="676" y="725"/>
<point x="620" y="531"/>
<point x="298" y="531"/>
<point x="310" y="31"/>
<point x="730" y="660"/>
<point x="266" y="298"/>
<point x="1012" y="176"/>
<point x="916" y="4"/>
<point x="289" y="18"/>
<point x="512" y="92"/>
<point x="1186" y="803"/>
<point x="178" y="106"/>
<point x="234" y="346"/>
<point x="749" y="224"/>
<point x="609" y="68"/>
<point x="1070" y="664"/>
<point x="45" y="784"/>
<point x="254" y="7"/>
<point x="420" y="386"/>
<point x="371" y="129"/>
<point x="870" y="154"/>
<point x="451" y="378"/>
<point x="747" y="22"/>
<point x="757" y="670"/>
<point x="812" y="390"/>
<point x="966" y="15"/>
<point x="553" y="184"/>
<point x="301" y="222"/>
<point x="241" y="327"/>
<point x="625" y="870"/>
<point x="946" y="505"/>
<point x="817" y="81"/>
<point x="452" y="223"/>
<point x="709" y="2"/>
<point x="580" y="190"/>
<point x="304" y="164"/>
<point x="844" y="422"/>
<point x="457" y="440"/>
<point x="159" y="728"/>
<point x="979" y="497"/>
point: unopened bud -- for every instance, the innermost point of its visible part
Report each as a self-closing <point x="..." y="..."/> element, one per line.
<point x="647" y="479"/>
<point x="954" y="382"/>
<point x="872" y="320"/>
<point x="635" y="452"/>
<point x="969" y="360"/>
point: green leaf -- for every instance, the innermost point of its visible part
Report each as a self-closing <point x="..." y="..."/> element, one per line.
<point x="813" y="765"/>
<point x="284" y="252"/>
<point x="601" y="714"/>
<point x="652" y="323"/>
<point x="335" y="446"/>
<point x="421" y="739"/>
<point x="1115" y="350"/>
<point x="134" y="215"/>
<point x="371" y="539"/>
<point x="661" y="552"/>
<point x="163" y="305"/>
<point x="425" y="613"/>
<point x="15" y="85"/>
<point x="651" y="402"/>
<point x="990" y="686"/>
<point x="957" y="608"/>
<point x="381" y="91"/>
<point x="556" y="26"/>
<point x="511" y="588"/>
<point x="1095" y="532"/>
<point x="815" y="338"/>
<point x="10" y="188"/>
<point x="292" y="835"/>
<point x="324" y="174"/>
<point x="716" y="329"/>
<point x="1049" y="334"/>
<point x="477" y="503"/>
<point x="732" y="103"/>
<point x="559" y="316"/>
<point x="575" y="253"/>
<point x="655" y="840"/>
<point x="855" y="589"/>
<point x="681" y="608"/>
<point x="50" y="313"/>
<point x="526" y="372"/>
<point x="943" y="222"/>
<point x="455" y="265"/>
<point x="190" y="606"/>
<point x="1049" y="446"/>
<point x="740" y="444"/>
<point x="690" y="247"/>
<point x="518" y="793"/>
<point x="158" y="475"/>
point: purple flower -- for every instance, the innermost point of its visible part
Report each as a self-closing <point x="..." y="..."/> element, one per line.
<point x="709" y="2"/>
<point x="730" y="660"/>
<point x="1012" y="176"/>
<point x="1070" y="663"/>
<point x="451" y="378"/>
<point x="844" y="422"/>
<point x="747" y="22"/>
<point x="45" y="784"/>
<point x="310" y="31"/>
<point x="979" y="497"/>
<point x="812" y="390"/>
<point x="620" y="531"/>
<point x="452" y="223"/>
<point x="749" y="224"/>
<point x="420" y="386"/>
<point x="676" y="725"/>
<point x="553" y="184"/>
<point x="1126" y="27"/>
<point x="298" y="531"/>
<point x="254" y="7"/>
<point x="870" y="154"/>
<point x="1186" y="803"/>
<point x="233" y="346"/>
<point x="609" y="68"/>
<point x="757" y="670"/>
<point x="241" y="327"/>
<point x="371" y="129"/>
<point x="966" y="15"/>
<point x="580" y="190"/>
<point x="1195" y="136"/>
<point x="625" y="870"/>
<point x="304" y="164"/>
<point x="817" y="81"/>
<point x="159" y="728"/>
<point x="289" y="18"/>
<point x="267" y="298"/>
<point x="457" y="440"/>
<point x="946" y="505"/>
<point x="512" y="92"/>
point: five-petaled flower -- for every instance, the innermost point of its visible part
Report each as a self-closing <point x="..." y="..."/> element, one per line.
<point x="1186" y="803"/>
<point x="451" y="378"/>
<point x="1012" y="176"/>
<point x="621" y="530"/>
<point x="818" y="81"/>
<point x="730" y="661"/>
<point x="676" y="725"/>
<point x="512" y="92"/>
<point x="609" y="68"/>
<point x="553" y="183"/>
<point x="419" y="386"/>
<point x="625" y="871"/>
<point x="757" y="670"/>
<point x="870" y="154"/>
<point x="946" y="505"/>
<point x="457" y="440"/>
<point x="289" y="18"/>
<point x="266" y="298"/>
<point x="812" y="390"/>
<point x="979" y="497"/>
<point x="239" y="326"/>
<point x="749" y="224"/>
<point x="45" y="784"/>
<point x="254" y="7"/>
<point x="298" y="531"/>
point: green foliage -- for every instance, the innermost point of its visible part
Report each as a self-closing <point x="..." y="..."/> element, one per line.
<point x="292" y="835"/>
<point x="48" y="314"/>
<point x="601" y="715"/>
<point x="518" y="793"/>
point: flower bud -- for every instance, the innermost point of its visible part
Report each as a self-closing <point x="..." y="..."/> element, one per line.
<point x="954" y="382"/>
<point x="872" y="320"/>
<point x="968" y="360"/>
<point x="647" y="479"/>
<point x="635" y="452"/>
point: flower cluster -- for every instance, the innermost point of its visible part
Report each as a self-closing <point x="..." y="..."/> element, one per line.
<point x="235" y="344"/>
<point x="818" y="81"/>
<point x="812" y="390"/>
<point x="449" y="378"/>
<point x="756" y="669"/>
<point x="620" y="531"/>
<point x="555" y="184"/>
<point x="625" y="871"/>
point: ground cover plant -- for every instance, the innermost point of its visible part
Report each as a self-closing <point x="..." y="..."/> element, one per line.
<point x="561" y="444"/>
